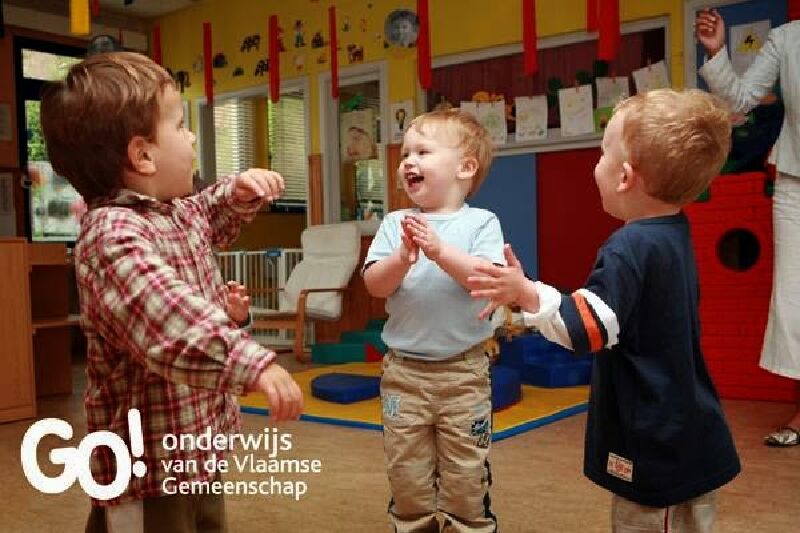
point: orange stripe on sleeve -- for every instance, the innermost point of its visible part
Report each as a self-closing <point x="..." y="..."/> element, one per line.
<point x="592" y="329"/>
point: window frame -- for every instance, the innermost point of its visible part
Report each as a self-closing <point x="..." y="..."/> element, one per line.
<point x="205" y="144"/>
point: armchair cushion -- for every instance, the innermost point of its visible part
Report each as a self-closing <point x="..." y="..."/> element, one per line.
<point x="330" y="256"/>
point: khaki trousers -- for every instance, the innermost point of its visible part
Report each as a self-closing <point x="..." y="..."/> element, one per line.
<point x="692" y="516"/>
<point x="437" y="420"/>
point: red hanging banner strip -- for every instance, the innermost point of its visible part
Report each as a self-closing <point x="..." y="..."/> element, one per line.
<point x="95" y="8"/>
<point x="530" y="51"/>
<point x="424" y="46"/>
<point x="794" y="9"/>
<point x="591" y="15"/>
<point x="274" y="60"/>
<point x="208" y="67"/>
<point x="334" y="44"/>
<point x="608" y="19"/>
<point x="156" y="47"/>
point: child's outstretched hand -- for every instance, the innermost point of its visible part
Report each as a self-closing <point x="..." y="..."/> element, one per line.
<point x="257" y="183"/>
<point x="421" y="233"/>
<point x="502" y="285"/>
<point x="237" y="302"/>
<point x="282" y="392"/>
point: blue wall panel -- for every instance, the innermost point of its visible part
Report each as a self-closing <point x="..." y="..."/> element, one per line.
<point x="510" y="192"/>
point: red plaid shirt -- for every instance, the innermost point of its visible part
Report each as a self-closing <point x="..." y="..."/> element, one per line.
<point x="159" y="339"/>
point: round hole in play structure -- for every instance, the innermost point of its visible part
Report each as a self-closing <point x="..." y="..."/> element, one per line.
<point x="738" y="249"/>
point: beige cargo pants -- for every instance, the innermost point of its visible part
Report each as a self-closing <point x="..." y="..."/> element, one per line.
<point x="437" y="430"/>
<point x="693" y="516"/>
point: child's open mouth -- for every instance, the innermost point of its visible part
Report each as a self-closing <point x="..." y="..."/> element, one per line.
<point x="413" y="180"/>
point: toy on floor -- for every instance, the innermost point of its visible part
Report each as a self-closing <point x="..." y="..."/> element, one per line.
<point x="345" y="388"/>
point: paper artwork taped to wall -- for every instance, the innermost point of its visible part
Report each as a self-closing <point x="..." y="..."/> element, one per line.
<point x="651" y="77"/>
<point x="401" y="113"/>
<point x="611" y="91"/>
<point x="492" y="116"/>
<point x="357" y="135"/>
<point x="746" y="41"/>
<point x="576" y="110"/>
<point x="531" y="115"/>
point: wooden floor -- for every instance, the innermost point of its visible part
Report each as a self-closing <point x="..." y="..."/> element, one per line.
<point x="538" y="484"/>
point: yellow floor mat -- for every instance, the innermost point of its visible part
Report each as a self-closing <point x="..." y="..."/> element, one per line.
<point x="538" y="406"/>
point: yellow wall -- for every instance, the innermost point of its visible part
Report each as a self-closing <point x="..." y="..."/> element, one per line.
<point x="456" y="26"/>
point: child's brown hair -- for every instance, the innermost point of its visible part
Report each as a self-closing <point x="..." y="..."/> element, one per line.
<point x="470" y="136"/>
<point x="89" y="118"/>
<point x="677" y="140"/>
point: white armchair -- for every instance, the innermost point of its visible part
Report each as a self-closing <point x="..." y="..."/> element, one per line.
<point x="316" y="286"/>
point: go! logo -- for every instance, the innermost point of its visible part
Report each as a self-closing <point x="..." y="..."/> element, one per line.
<point x="76" y="460"/>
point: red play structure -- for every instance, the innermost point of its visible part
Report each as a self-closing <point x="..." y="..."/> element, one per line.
<point x="732" y="234"/>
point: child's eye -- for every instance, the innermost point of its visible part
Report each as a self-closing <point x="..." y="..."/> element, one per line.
<point x="424" y="152"/>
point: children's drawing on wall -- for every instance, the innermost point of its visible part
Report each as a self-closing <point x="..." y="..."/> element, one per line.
<point x="299" y="62"/>
<point x="602" y="116"/>
<point x="402" y="113"/>
<point x="531" y="115"/>
<point x="250" y="42"/>
<point x="317" y="41"/>
<point x="611" y="91"/>
<point x="492" y="116"/>
<point x="746" y="41"/>
<point x="651" y="77"/>
<point x="261" y="67"/>
<point x="355" y="53"/>
<point x="357" y="135"/>
<point x="299" y="34"/>
<point x="575" y="109"/>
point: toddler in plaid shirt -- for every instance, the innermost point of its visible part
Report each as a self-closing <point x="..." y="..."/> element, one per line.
<point x="153" y="302"/>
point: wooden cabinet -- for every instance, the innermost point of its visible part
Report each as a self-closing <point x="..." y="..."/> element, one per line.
<point x="34" y="325"/>
<point x="50" y="269"/>
<point x="17" y="389"/>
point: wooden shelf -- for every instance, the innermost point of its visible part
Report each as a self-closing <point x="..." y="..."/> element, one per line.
<point x="42" y="323"/>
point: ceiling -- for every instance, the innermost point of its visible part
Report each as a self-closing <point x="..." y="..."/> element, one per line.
<point x="145" y="8"/>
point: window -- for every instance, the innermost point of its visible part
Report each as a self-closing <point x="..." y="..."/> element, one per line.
<point x="234" y="135"/>
<point x="251" y="131"/>
<point x="287" y="144"/>
<point x="53" y="207"/>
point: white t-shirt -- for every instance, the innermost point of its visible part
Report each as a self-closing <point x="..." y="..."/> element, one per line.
<point x="431" y="316"/>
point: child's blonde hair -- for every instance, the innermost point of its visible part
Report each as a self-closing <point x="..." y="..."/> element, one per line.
<point x="470" y="135"/>
<point x="677" y="140"/>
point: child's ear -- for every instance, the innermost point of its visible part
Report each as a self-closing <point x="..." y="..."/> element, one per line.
<point x="467" y="169"/>
<point x="630" y="178"/>
<point x="141" y="157"/>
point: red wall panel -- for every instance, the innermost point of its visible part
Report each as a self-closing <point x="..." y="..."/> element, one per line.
<point x="571" y="220"/>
